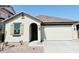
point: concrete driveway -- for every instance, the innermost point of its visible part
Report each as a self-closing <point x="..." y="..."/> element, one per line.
<point x="71" y="46"/>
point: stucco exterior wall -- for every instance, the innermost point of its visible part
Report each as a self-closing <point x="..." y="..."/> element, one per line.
<point x="26" y="35"/>
<point x="58" y="32"/>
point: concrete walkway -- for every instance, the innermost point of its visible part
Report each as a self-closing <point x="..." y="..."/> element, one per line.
<point x="61" y="46"/>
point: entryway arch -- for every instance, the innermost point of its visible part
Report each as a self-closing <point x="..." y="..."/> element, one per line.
<point x="33" y="32"/>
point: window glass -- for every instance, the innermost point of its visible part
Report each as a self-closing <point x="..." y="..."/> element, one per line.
<point x="16" y="28"/>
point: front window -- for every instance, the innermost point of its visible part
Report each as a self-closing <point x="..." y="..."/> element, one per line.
<point x="16" y="28"/>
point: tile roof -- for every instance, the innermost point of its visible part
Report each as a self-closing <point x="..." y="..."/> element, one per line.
<point x="44" y="18"/>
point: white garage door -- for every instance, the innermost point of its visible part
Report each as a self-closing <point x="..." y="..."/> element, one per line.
<point x="58" y="32"/>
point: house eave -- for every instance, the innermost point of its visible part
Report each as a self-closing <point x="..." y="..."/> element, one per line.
<point x="59" y="23"/>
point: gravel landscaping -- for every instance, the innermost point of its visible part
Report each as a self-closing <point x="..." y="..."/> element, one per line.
<point x="17" y="48"/>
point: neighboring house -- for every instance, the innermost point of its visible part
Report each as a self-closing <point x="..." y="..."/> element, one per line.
<point x="28" y="28"/>
<point x="6" y="11"/>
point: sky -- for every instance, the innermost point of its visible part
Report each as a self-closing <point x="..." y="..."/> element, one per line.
<point x="64" y="11"/>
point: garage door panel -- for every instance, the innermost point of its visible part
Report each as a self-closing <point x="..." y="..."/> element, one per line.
<point x="58" y="32"/>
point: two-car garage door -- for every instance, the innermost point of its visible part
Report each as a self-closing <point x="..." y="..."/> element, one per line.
<point x="58" y="32"/>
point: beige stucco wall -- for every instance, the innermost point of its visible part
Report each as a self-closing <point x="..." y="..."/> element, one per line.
<point x="58" y="32"/>
<point x="25" y="37"/>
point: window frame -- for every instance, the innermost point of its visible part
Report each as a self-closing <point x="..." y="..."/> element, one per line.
<point x="17" y="35"/>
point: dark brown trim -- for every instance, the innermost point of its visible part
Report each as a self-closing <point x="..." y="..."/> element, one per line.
<point x="57" y="23"/>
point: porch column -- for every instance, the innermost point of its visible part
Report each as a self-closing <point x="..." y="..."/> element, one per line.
<point x="39" y="33"/>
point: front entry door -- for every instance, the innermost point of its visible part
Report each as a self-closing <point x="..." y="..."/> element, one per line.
<point x="33" y="32"/>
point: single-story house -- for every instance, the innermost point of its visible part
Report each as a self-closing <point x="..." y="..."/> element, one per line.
<point x="28" y="28"/>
